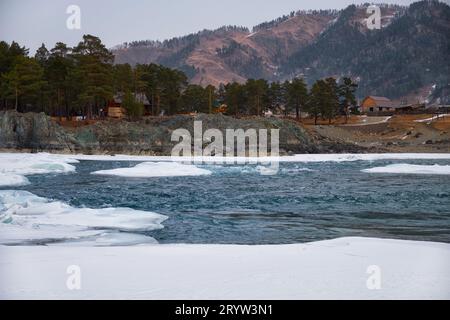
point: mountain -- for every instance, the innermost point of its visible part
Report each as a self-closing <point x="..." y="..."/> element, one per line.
<point x="231" y="53"/>
<point x="408" y="55"/>
<point x="411" y="52"/>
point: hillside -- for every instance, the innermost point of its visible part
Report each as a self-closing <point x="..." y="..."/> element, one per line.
<point x="410" y="53"/>
<point x="231" y="53"/>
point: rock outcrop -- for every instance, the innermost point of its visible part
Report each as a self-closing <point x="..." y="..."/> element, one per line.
<point x="33" y="131"/>
<point x="38" y="132"/>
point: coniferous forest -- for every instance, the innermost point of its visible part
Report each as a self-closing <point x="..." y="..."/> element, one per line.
<point x="81" y="81"/>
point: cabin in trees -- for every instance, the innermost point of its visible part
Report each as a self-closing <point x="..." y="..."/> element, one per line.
<point x="117" y="111"/>
<point x="373" y="104"/>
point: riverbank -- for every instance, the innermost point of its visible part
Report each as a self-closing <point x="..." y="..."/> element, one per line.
<point x="34" y="132"/>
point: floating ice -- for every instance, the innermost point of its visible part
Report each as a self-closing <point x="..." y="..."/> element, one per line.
<point x="15" y="166"/>
<point x="29" y="219"/>
<point x="156" y="169"/>
<point x="403" y="168"/>
<point x="15" y="180"/>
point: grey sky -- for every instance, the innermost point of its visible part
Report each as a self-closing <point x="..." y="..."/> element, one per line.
<point x="32" y="22"/>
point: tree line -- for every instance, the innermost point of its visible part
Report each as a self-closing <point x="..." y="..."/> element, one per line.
<point x="82" y="80"/>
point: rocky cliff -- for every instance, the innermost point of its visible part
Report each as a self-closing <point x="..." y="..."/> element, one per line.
<point x="37" y="132"/>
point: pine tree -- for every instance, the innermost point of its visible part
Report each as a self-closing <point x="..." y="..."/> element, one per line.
<point x="94" y="73"/>
<point x="211" y="90"/>
<point x="315" y="101"/>
<point x="256" y="92"/>
<point x="59" y="67"/>
<point x="330" y="99"/>
<point x="276" y="96"/>
<point x="134" y="108"/>
<point x="24" y="82"/>
<point x="123" y="78"/>
<point x="8" y="57"/>
<point x="347" y="96"/>
<point x="42" y="55"/>
<point x="296" y="95"/>
<point x="234" y="98"/>
<point x="195" y="99"/>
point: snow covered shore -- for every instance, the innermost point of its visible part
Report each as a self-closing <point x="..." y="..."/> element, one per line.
<point x="336" y="269"/>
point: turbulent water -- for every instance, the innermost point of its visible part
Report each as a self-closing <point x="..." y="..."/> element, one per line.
<point x="237" y="205"/>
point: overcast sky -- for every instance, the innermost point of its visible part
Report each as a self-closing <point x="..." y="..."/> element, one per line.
<point x="32" y="22"/>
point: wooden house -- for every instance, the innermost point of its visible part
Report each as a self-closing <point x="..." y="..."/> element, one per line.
<point x="373" y="104"/>
<point x="115" y="109"/>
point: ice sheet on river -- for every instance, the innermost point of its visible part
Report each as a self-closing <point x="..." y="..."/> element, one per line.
<point x="29" y="219"/>
<point x="156" y="169"/>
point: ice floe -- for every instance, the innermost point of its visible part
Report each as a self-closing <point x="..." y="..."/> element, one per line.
<point x="28" y="219"/>
<point x="404" y="168"/>
<point x="156" y="169"/>
<point x="13" y="180"/>
<point x="15" y="166"/>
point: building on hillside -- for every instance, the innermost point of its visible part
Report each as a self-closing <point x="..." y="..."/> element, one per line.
<point x="115" y="109"/>
<point x="373" y="104"/>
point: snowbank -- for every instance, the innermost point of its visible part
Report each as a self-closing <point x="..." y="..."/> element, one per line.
<point x="403" y="168"/>
<point x="336" y="269"/>
<point x="28" y="219"/>
<point x="15" y="166"/>
<point x="156" y="169"/>
<point x="368" y="123"/>
<point x="429" y="120"/>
